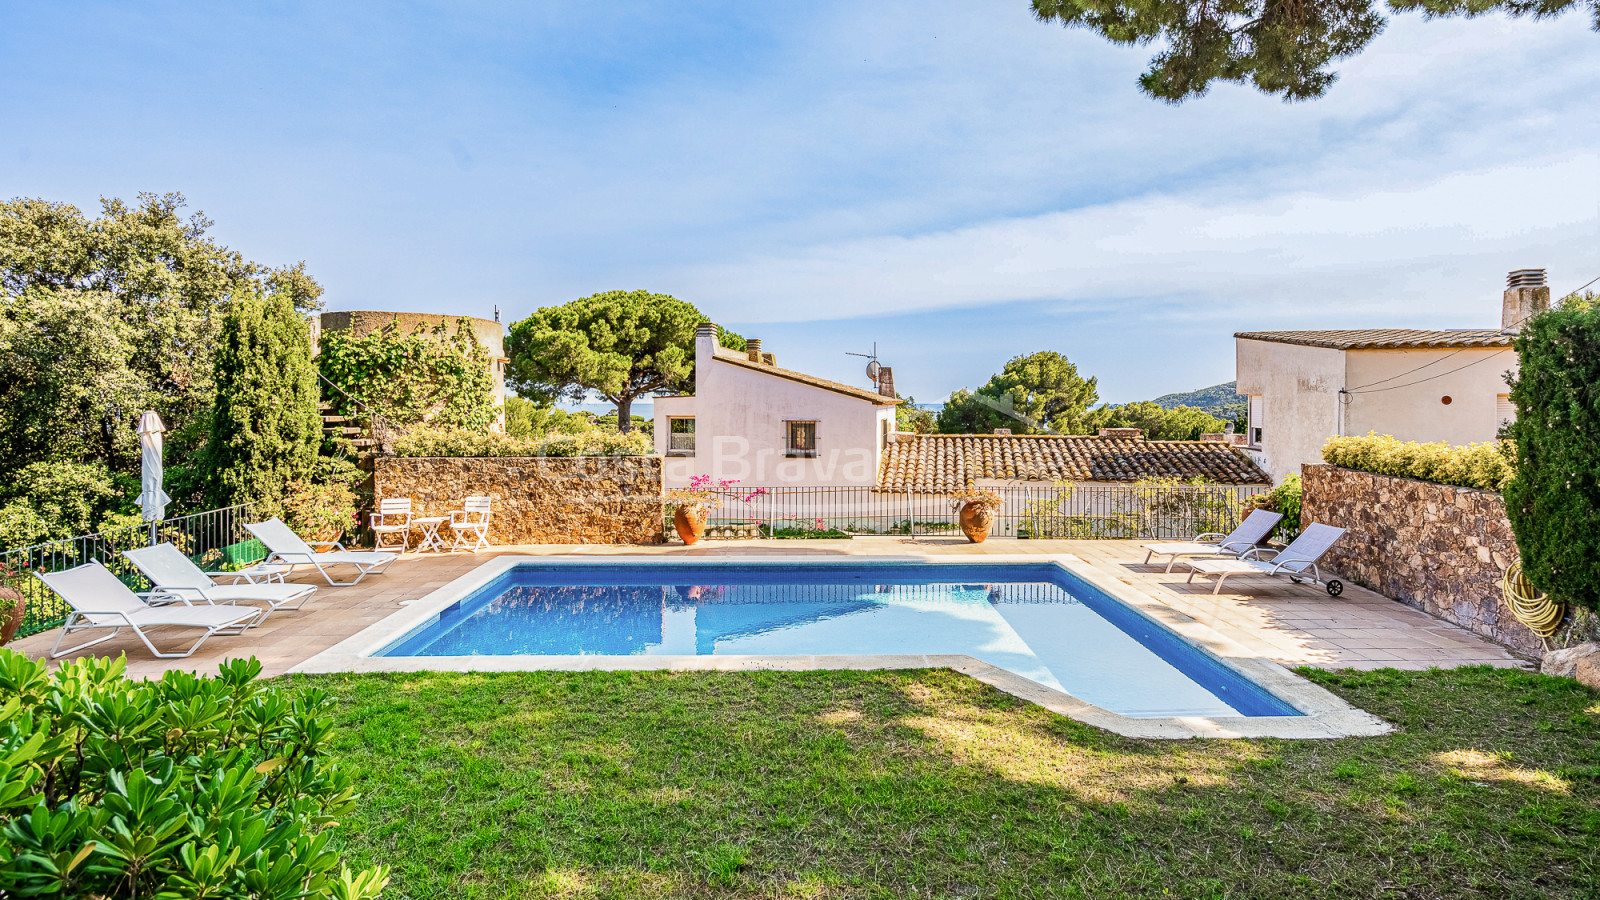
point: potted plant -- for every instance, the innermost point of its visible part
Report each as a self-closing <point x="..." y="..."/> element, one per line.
<point x="691" y="506"/>
<point x="319" y="512"/>
<point x="13" y="605"/>
<point x="977" y="512"/>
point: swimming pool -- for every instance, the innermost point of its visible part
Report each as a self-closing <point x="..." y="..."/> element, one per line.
<point x="1035" y="620"/>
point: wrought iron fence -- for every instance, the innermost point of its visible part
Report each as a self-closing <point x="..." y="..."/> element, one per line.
<point x="215" y="539"/>
<point x="1076" y="511"/>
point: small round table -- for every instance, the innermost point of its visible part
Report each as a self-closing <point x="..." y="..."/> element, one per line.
<point x="430" y="533"/>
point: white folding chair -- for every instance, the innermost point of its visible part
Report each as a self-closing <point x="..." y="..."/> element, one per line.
<point x="392" y="517"/>
<point x="471" y="524"/>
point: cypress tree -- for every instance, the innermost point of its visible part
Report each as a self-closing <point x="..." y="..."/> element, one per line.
<point x="1553" y="500"/>
<point x="265" y="428"/>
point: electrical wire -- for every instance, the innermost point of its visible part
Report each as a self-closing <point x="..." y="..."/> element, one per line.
<point x="1346" y="393"/>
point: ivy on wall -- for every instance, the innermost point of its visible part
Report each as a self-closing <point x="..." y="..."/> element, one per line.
<point x="432" y="376"/>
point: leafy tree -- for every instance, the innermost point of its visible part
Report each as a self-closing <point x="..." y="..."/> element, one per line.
<point x="1553" y="499"/>
<point x="620" y="344"/>
<point x="52" y="500"/>
<point x="1183" y="423"/>
<point x="432" y="375"/>
<point x="265" y="428"/>
<point x="102" y="318"/>
<point x="1038" y="393"/>
<point x="908" y="416"/>
<point x="528" y="419"/>
<point x="1284" y="49"/>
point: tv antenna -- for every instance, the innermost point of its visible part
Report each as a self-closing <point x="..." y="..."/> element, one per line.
<point x="872" y="361"/>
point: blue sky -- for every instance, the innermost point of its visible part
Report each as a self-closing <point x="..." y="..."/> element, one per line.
<point x="952" y="180"/>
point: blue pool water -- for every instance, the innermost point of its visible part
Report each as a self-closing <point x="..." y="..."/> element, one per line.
<point x="1036" y="620"/>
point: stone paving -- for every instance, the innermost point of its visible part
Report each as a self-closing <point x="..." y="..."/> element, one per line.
<point x="1290" y="624"/>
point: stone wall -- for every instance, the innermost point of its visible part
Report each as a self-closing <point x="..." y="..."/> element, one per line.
<point x="537" y="500"/>
<point x="1440" y="548"/>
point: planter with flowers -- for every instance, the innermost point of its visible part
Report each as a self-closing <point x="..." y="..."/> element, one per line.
<point x="692" y="506"/>
<point x="13" y="605"/>
<point x="977" y="512"/>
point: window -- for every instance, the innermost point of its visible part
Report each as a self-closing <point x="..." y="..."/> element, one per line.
<point x="1254" y="432"/>
<point x="1505" y="412"/>
<point x="802" y="439"/>
<point x="680" y="437"/>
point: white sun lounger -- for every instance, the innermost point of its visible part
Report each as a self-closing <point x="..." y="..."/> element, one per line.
<point x="100" y="600"/>
<point x="284" y="546"/>
<point x="1251" y="531"/>
<point x="176" y="577"/>
<point x="1298" y="561"/>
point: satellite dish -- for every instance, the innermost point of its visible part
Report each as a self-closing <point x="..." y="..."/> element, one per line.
<point x="872" y="370"/>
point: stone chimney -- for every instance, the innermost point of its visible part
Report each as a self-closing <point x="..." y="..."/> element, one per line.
<point x="752" y="350"/>
<point x="1526" y="295"/>
<point x="1132" y="434"/>
<point x="886" y="381"/>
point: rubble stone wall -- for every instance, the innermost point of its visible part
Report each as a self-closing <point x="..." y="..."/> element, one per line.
<point x="1440" y="548"/>
<point x="536" y="500"/>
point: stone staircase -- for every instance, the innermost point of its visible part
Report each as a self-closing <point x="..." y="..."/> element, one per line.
<point x="338" y="427"/>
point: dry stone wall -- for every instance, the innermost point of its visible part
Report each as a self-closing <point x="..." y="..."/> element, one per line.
<point x="537" y="500"/>
<point x="1440" y="548"/>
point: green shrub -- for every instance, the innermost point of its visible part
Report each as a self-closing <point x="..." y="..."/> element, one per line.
<point x="53" y="500"/>
<point x="1485" y="466"/>
<point x="1285" y="499"/>
<point x="434" y="374"/>
<point x="431" y="441"/>
<point x="183" y="787"/>
<point x="1553" y="501"/>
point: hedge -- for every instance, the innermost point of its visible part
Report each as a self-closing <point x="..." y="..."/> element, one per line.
<point x="431" y="441"/>
<point x="1554" y="500"/>
<point x="1485" y="466"/>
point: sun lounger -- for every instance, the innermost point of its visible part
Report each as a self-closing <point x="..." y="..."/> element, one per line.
<point x="99" y="600"/>
<point x="1298" y="561"/>
<point x="284" y="546"/>
<point x="1250" y="532"/>
<point x="176" y="577"/>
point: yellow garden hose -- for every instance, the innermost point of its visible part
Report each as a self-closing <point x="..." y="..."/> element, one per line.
<point x="1530" y="605"/>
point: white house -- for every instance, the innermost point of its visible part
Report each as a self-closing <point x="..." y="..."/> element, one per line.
<point x="764" y="426"/>
<point x="1304" y="387"/>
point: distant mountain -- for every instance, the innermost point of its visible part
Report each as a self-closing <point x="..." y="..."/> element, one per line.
<point x="1216" y="399"/>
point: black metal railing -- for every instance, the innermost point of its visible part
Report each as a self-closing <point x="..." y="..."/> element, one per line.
<point x="215" y="539"/>
<point x="1082" y="511"/>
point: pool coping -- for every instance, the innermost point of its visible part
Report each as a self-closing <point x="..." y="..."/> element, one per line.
<point x="1324" y="714"/>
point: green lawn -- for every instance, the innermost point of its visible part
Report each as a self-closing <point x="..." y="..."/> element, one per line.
<point x="928" y="784"/>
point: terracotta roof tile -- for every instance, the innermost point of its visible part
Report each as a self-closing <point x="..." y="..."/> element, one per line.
<point x="1384" y="338"/>
<point x="739" y="359"/>
<point x="936" y="463"/>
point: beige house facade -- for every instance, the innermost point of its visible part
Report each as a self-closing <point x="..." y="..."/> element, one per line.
<point x="1303" y="387"/>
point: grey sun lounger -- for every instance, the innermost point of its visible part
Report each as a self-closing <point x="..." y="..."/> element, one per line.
<point x="1298" y="561"/>
<point x="100" y="600"/>
<point x="176" y="577"/>
<point x="1250" y="532"/>
<point x="285" y="546"/>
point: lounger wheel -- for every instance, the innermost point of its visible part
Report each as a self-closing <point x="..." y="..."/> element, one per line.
<point x="1335" y="588"/>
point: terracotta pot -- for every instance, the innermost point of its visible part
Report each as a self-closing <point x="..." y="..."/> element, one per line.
<point x="690" y="522"/>
<point x="12" y="606"/>
<point x="975" y="521"/>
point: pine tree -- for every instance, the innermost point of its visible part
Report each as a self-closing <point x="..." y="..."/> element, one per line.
<point x="265" y="428"/>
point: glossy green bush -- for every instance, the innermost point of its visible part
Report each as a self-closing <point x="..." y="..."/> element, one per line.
<point x="186" y="787"/>
<point x="1485" y="466"/>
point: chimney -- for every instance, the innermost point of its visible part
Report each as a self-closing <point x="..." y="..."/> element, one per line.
<point x="752" y="350"/>
<point x="705" y="343"/>
<point x="1132" y="434"/>
<point x="1526" y="295"/>
<point x="886" y="381"/>
<point x="769" y="359"/>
